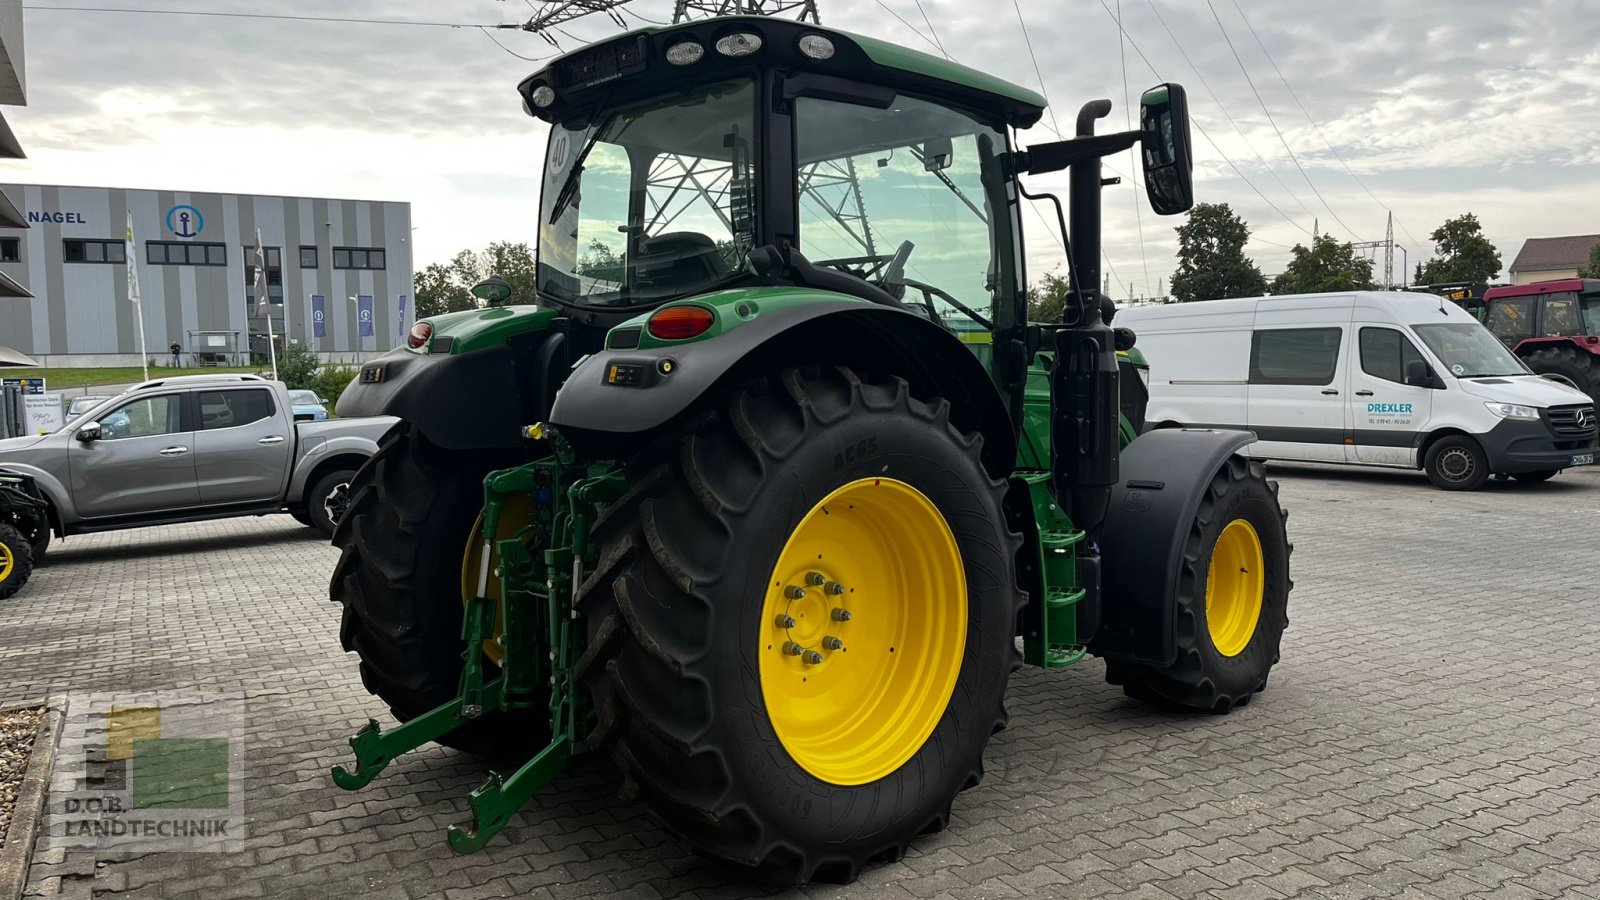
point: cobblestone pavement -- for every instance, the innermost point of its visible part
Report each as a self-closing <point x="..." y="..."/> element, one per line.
<point x="1430" y="732"/>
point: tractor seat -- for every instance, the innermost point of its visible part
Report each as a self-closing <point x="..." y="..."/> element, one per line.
<point x="678" y="258"/>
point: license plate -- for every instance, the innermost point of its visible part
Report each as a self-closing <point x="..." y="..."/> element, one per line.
<point x="374" y="374"/>
<point x="1582" y="459"/>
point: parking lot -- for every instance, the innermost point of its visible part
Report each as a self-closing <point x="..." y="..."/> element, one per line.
<point x="1431" y="730"/>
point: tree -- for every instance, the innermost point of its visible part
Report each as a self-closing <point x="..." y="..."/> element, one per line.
<point x="1464" y="253"/>
<point x="1329" y="265"/>
<point x="1211" y="260"/>
<point x="1592" y="270"/>
<point x="447" y="287"/>
<point x="438" y="291"/>
<point x="1048" y="298"/>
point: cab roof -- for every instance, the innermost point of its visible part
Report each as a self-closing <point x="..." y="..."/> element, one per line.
<point x="599" y="69"/>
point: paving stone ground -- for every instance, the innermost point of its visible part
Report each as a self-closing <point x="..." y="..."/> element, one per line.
<point x="1430" y="732"/>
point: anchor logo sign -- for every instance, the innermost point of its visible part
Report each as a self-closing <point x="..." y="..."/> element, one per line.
<point x="319" y="316"/>
<point x="185" y="221"/>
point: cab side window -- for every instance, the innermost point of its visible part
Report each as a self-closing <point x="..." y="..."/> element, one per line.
<point x="1294" y="355"/>
<point x="145" y="417"/>
<point x="1561" y="315"/>
<point x="1385" y="354"/>
<point x="1511" y="320"/>
<point x="231" y="409"/>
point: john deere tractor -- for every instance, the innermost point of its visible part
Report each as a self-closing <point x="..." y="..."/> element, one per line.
<point x="774" y="485"/>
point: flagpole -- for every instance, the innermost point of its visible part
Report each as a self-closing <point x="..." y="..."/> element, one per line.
<point x="264" y="302"/>
<point x="272" y="346"/>
<point x="132" y="259"/>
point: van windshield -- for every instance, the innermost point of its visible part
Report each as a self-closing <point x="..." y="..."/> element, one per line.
<point x="1468" y="350"/>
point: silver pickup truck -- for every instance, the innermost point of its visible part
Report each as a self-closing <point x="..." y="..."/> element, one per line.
<point x="193" y="447"/>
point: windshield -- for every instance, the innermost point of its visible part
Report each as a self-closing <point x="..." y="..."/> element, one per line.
<point x="1469" y="351"/>
<point x="904" y="197"/>
<point x="651" y="202"/>
<point x="304" y="398"/>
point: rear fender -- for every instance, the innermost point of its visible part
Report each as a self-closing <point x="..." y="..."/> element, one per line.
<point x="605" y="419"/>
<point x="1165" y="475"/>
<point x="1585" y="343"/>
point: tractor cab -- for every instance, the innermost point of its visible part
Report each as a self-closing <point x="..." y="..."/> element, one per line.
<point x="1553" y="326"/>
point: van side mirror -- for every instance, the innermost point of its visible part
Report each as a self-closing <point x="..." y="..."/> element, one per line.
<point x="1165" y="148"/>
<point x="1420" y="374"/>
<point x="89" y="432"/>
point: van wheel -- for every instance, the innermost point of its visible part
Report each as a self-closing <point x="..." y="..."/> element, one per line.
<point x="1456" y="463"/>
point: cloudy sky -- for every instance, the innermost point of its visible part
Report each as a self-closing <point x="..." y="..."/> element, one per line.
<point x="1437" y="107"/>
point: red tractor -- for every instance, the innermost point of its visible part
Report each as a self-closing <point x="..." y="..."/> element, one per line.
<point x="1554" y="326"/>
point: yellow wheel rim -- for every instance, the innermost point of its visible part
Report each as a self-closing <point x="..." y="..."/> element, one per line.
<point x="862" y="631"/>
<point x="1235" y="584"/>
<point x="8" y="561"/>
<point x="515" y="514"/>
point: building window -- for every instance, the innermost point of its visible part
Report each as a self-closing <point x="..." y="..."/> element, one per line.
<point x="10" y="249"/>
<point x="1294" y="356"/>
<point x="274" y="275"/>
<point x="308" y="257"/>
<point x="78" y="250"/>
<point x="183" y="253"/>
<point x="358" y="258"/>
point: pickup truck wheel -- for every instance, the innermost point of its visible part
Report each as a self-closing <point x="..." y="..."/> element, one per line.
<point x="328" y="500"/>
<point x="412" y="513"/>
<point x="16" y="561"/>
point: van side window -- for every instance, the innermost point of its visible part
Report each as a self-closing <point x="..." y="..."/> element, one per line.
<point x="1510" y="320"/>
<point x="1385" y="353"/>
<point x="1294" y="355"/>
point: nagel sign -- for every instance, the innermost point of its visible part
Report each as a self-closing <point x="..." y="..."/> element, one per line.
<point x="57" y="217"/>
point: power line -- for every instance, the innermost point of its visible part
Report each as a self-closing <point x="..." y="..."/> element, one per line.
<point x="1273" y="122"/>
<point x="1307" y="113"/>
<point x="240" y="15"/>
<point x="490" y="35"/>
<point x="1044" y="91"/>
<point x="915" y="30"/>
<point x="931" y="30"/>
<point x="1201" y="128"/>
<point x="1217" y="99"/>
<point x="1133" y="153"/>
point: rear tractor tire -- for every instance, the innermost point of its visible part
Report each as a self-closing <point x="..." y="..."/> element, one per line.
<point x="16" y="561"/>
<point x="1234" y="603"/>
<point x="1578" y="366"/>
<point x="800" y="628"/>
<point x="405" y="539"/>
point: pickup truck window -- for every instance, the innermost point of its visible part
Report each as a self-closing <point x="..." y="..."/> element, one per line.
<point x="231" y="409"/>
<point x="145" y="417"/>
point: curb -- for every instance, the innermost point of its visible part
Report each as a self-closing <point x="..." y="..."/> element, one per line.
<point x="18" y="849"/>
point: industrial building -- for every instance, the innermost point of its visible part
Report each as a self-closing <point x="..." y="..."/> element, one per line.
<point x="338" y="271"/>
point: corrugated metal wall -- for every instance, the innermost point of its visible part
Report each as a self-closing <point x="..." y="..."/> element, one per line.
<point x="80" y="310"/>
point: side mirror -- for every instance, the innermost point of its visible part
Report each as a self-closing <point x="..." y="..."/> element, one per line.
<point x="89" y="432"/>
<point x="322" y="401"/>
<point x="493" y="290"/>
<point x="1168" y="159"/>
<point x="1419" y="374"/>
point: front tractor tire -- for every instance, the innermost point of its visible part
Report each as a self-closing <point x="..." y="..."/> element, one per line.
<point x="412" y="515"/>
<point x="1580" y="367"/>
<point x="1233" y="600"/>
<point x="800" y="628"/>
<point x="16" y="561"/>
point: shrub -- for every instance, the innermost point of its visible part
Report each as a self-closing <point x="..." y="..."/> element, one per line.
<point x="297" y="367"/>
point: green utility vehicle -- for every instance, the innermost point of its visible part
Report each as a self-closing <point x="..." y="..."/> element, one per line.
<point x="760" y="494"/>
<point x="24" y="531"/>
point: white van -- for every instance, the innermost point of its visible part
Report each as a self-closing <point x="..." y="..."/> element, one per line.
<point x="1370" y="377"/>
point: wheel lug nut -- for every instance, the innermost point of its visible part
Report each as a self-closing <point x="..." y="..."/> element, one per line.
<point x="841" y="615"/>
<point x="793" y="649"/>
<point x="812" y="657"/>
<point x="833" y="588"/>
<point x="832" y="643"/>
<point x="794" y="592"/>
<point x="785" y="621"/>
<point x="815" y="578"/>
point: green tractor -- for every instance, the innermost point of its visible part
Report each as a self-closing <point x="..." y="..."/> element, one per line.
<point x="766" y="497"/>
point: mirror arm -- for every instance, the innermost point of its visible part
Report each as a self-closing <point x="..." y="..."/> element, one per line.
<point x="1058" y="155"/>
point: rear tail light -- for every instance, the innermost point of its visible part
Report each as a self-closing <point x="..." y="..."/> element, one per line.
<point x="676" y="323"/>
<point x="420" y="333"/>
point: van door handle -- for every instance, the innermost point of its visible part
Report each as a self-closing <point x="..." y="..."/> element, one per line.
<point x="1330" y="391"/>
<point x="175" y="451"/>
<point x="275" y="439"/>
<point x="1363" y="393"/>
